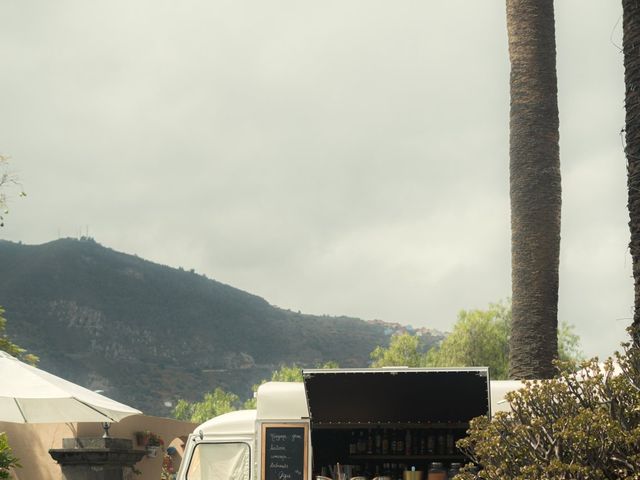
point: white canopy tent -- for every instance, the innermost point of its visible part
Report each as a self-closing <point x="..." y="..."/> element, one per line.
<point x="31" y="395"/>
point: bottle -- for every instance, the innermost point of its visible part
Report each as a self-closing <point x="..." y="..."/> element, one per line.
<point x="378" y="449"/>
<point x="437" y="472"/>
<point x="415" y="442"/>
<point x="450" y="443"/>
<point x="369" y="443"/>
<point x="441" y="443"/>
<point x="362" y="443"/>
<point x="367" y="471"/>
<point x="422" y="450"/>
<point x="431" y="443"/>
<point x="385" y="442"/>
<point x="394" y="442"/>
<point x="353" y="448"/>
<point x="407" y="443"/>
<point x="400" y="444"/>
<point x="454" y="469"/>
<point x="411" y="474"/>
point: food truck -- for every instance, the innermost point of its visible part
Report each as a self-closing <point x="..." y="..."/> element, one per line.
<point x="342" y="424"/>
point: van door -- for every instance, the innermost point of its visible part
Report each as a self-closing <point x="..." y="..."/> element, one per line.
<point x="216" y="460"/>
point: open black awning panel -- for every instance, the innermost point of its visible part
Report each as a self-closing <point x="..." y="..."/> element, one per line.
<point x="402" y="395"/>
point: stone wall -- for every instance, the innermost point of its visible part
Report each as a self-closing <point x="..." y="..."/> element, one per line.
<point x="31" y="443"/>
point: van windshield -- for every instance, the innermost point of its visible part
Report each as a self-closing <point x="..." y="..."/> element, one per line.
<point x="220" y="461"/>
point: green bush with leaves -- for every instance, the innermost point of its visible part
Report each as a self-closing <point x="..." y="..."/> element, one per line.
<point x="213" y="404"/>
<point x="480" y="338"/>
<point x="403" y="350"/>
<point x="11" y="348"/>
<point x="583" y="425"/>
<point x="7" y="460"/>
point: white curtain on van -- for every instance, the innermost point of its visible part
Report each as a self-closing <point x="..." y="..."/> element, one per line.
<point x="220" y="461"/>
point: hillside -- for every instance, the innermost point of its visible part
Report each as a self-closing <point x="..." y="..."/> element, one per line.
<point x="147" y="334"/>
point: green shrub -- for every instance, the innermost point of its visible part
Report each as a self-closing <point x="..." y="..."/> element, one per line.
<point x="7" y="460"/>
<point x="213" y="404"/>
<point x="583" y="425"/>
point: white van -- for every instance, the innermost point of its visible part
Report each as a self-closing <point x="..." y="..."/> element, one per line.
<point x="344" y="423"/>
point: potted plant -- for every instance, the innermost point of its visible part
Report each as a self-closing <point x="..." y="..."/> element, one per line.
<point x="152" y="442"/>
<point x="7" y="460"/>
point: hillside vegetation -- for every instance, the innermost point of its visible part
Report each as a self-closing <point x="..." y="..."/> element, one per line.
<point x="147" y="334"/>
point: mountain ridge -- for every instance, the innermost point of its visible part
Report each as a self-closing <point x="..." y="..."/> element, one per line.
<point x="148" y="334"/>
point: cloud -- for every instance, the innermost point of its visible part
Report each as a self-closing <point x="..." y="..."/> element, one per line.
<point x="339" y="158"/>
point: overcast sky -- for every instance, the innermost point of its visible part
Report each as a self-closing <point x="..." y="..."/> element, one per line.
<point x="334" y="157"/>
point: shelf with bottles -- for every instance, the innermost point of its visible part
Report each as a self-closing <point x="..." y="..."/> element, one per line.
<point x="403" y="443"/>
<point x="409" y="458"/>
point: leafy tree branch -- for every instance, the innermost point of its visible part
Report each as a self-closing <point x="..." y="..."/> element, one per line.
<point x="8" y="181"/>
<point x="11" y="348"/>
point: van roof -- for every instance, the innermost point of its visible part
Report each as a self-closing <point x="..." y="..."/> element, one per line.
<point x="282" y="401"/>
<point x="240" y="422"/>
<point x="287" y="401"/>
<point x="276" y="401"/>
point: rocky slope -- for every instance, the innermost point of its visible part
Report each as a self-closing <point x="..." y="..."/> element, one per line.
<point x="147" y="334"/>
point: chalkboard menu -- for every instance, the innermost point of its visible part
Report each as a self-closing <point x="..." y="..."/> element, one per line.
<point x="284" y="451"/>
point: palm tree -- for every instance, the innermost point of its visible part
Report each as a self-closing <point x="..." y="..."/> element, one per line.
<point x="631" y="48"/>
<point x="534" y="187"/>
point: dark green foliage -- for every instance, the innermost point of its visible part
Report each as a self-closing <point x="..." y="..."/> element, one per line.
<point x="480" y="338"/>
<point x="577" y="426"/>
<point x="11" y="348"/>
<point x="147" y="333"/>
<point x="7" y="460"/>
<point x="213" y="404"/>
<point x="403" y="351"/>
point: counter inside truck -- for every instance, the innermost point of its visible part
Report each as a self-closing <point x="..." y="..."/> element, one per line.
<point x="380" y="422"/>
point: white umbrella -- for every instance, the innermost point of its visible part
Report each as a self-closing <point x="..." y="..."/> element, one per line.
<point x="31" y="395"/>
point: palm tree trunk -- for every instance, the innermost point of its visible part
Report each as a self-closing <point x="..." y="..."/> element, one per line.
<point x="534" y="187"/>
<point x="631" y="47"/>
